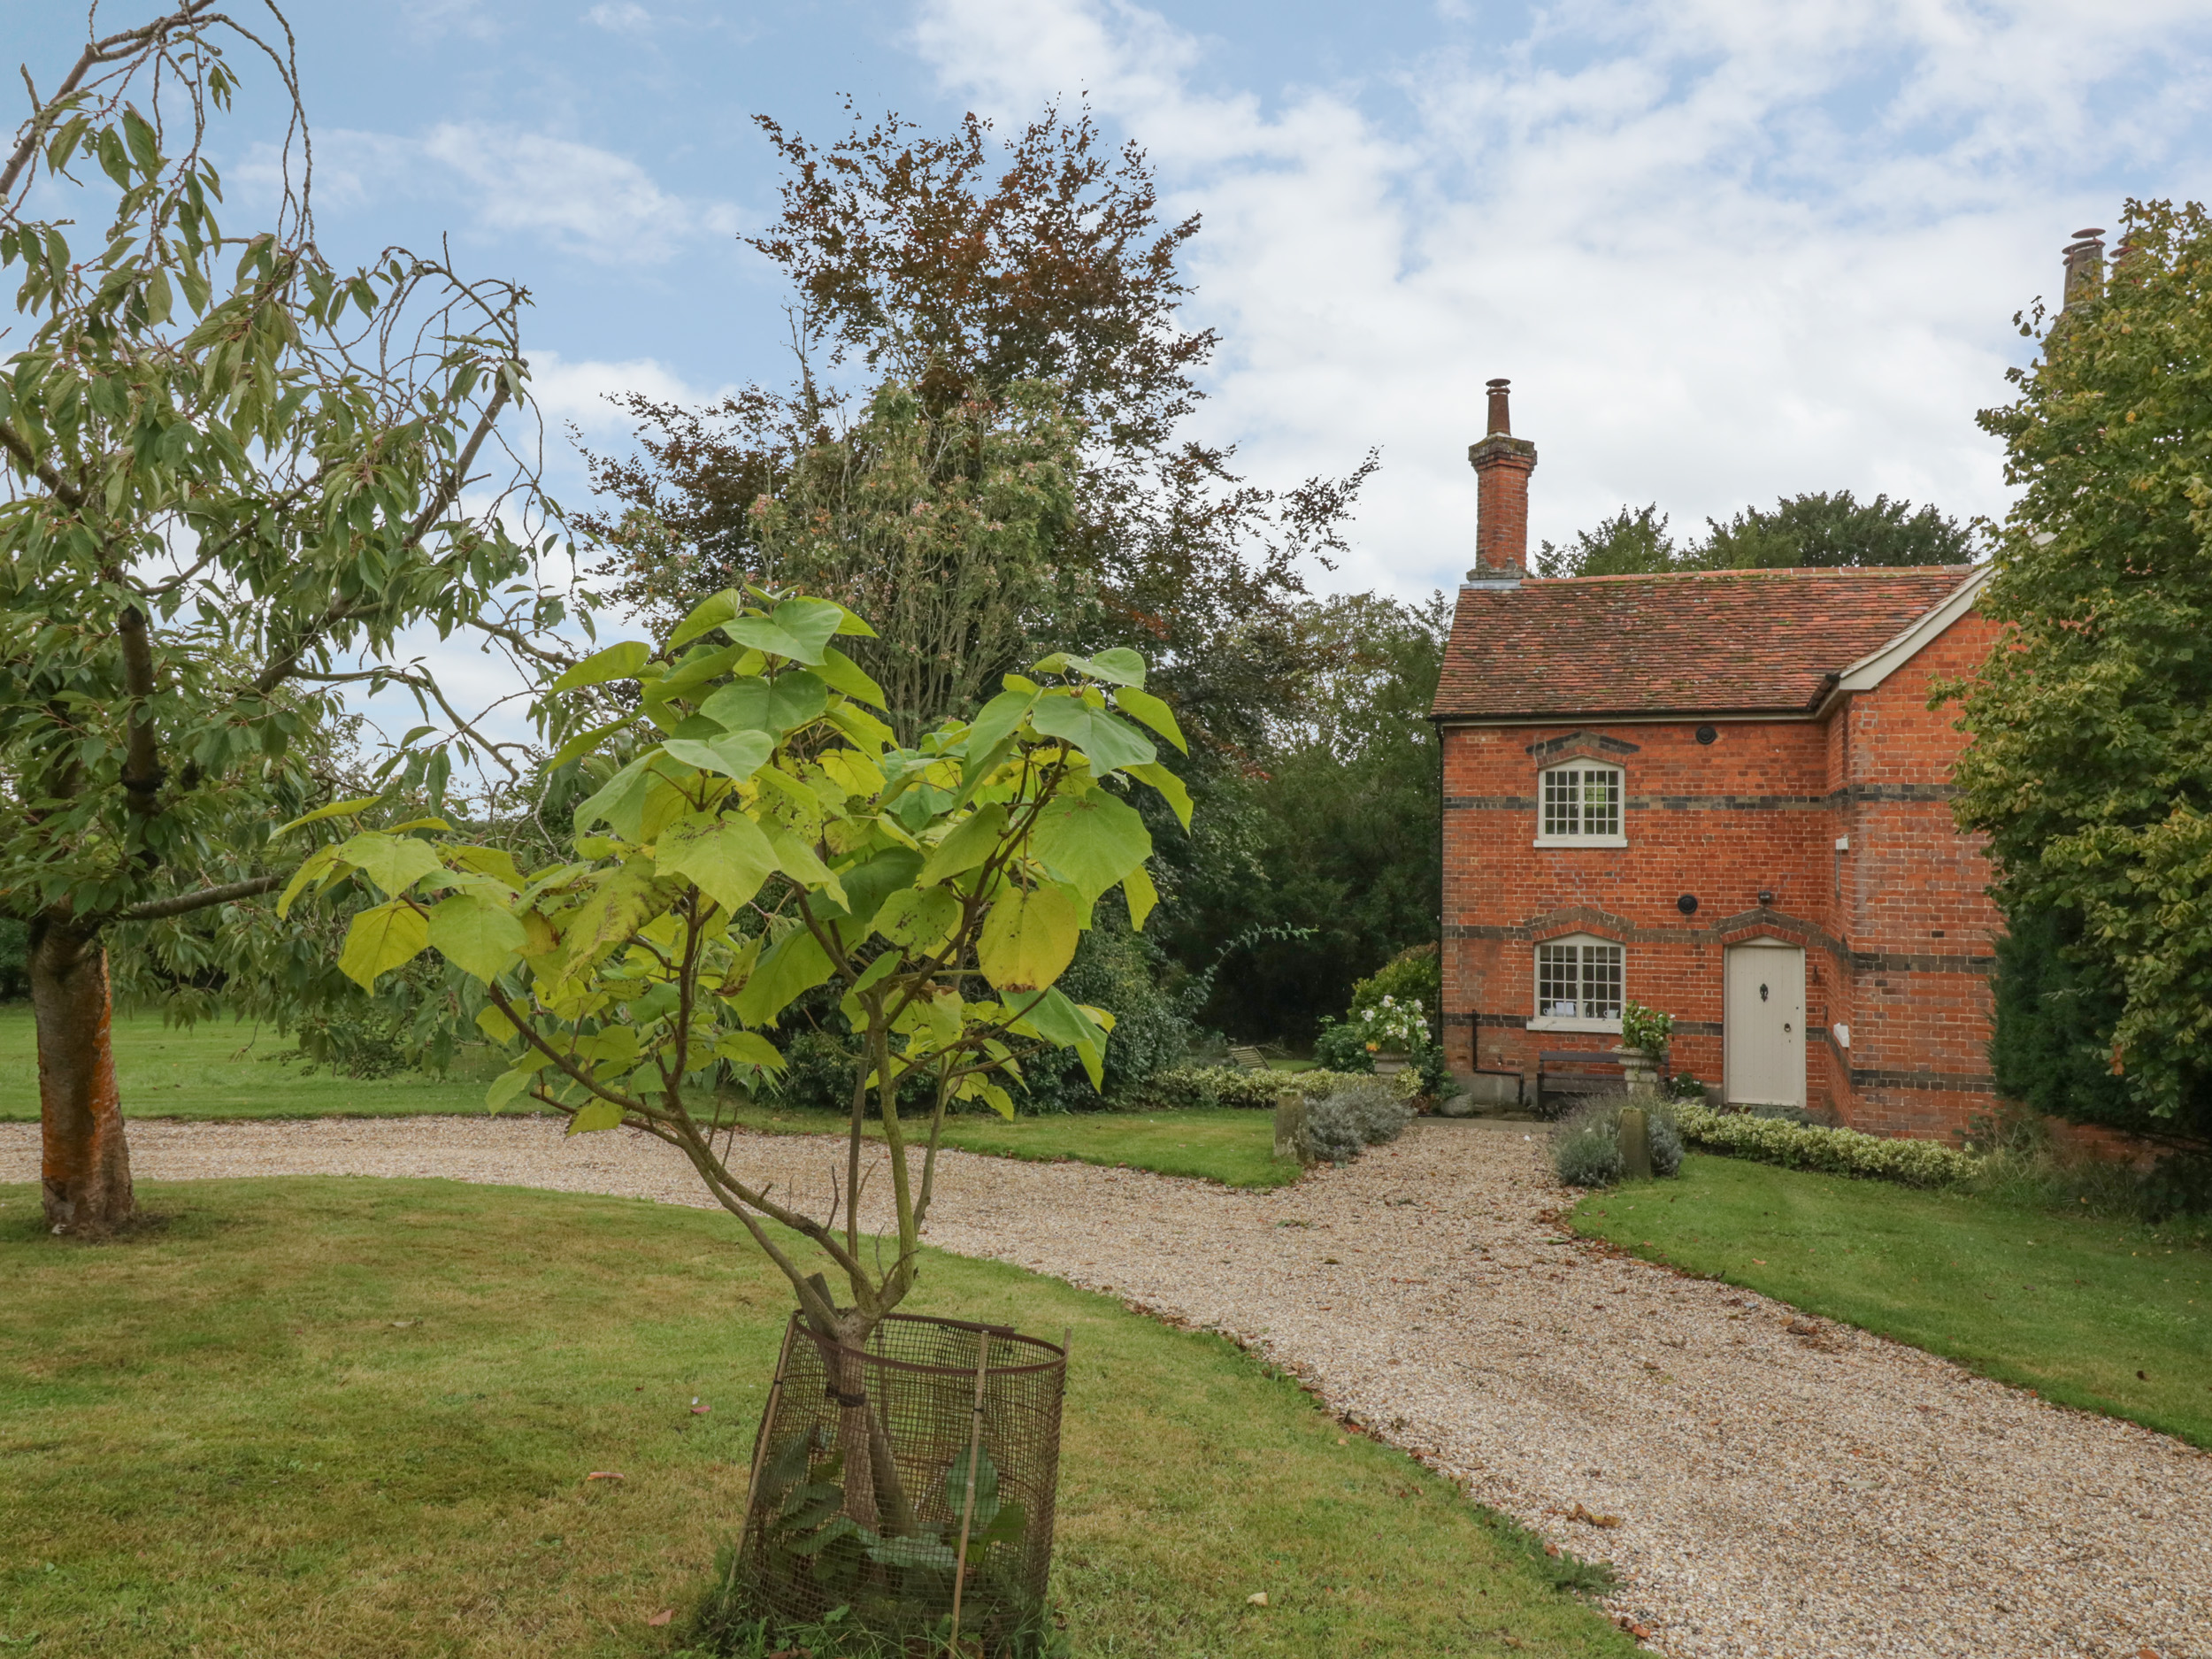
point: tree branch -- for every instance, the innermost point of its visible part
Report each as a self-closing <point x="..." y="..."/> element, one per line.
<point x="181" y="903"/>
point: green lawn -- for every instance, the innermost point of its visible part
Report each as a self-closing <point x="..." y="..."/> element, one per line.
<point x="355" y="1417"/>
<point x="221" y="1069"/>
<point x="2103" y="1315"/>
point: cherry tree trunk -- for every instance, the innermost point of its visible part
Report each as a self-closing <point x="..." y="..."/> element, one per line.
<point x="86" y="1165"/>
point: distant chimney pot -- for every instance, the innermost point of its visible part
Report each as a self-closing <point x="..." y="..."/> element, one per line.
<point x="1502" y="463"/>
<point x="2084" y="269"/>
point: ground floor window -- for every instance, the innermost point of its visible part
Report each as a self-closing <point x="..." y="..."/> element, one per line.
<point x="1578" y="979"/>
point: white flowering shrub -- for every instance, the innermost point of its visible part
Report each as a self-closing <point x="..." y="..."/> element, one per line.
<point x="1394" y="1028"/>
<point x="1835" y="1151"/>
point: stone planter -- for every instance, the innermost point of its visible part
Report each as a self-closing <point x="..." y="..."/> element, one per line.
<point x="1390" y="1065"/>
<point x="1639" y="1072"/>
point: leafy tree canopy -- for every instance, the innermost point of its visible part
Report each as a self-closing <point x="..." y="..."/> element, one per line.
<point x="1815" y="531"/>
<point x="963" y="269"/>
<point x="2091" y="768"/>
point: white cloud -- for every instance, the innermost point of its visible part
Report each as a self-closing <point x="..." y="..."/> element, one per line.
<point x="1726" y="250"/>
<point x="585" y="200"/>
<point x="577" y="392"/>
<point x="620" y="20"/>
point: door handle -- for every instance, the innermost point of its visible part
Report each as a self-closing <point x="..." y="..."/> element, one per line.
<point x="1786" y="1025"/>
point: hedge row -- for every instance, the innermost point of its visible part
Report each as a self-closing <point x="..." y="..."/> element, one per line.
<point x="1203" y="1088"/>
<point x="1836" y="1151"/>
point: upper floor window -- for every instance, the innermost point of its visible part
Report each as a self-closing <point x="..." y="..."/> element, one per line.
<point x="1579" y="984"/>
<point x="1581" y="805"/>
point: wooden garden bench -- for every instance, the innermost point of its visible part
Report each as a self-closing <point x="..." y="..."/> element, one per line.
<point x="1595" y="1073"/>
<point x="1248" y="1059"/>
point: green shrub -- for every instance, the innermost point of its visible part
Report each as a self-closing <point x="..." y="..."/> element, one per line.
<point x="1585" y="1144"/>
<point x="1585" y="1151"/>
<point x="1209" y="1087"/>
<point x="1414" y="975"/>
<point x="1356" y="1113"/>
<point x="1836" y="1151"/>
<point x="1341" y="1048"/>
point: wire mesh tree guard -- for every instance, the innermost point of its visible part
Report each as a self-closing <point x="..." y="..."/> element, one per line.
<point x="911" y="1482"/>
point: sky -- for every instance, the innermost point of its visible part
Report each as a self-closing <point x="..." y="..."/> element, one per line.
<point x="1725" y="249"/>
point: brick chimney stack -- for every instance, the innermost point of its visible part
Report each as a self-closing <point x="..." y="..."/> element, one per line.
<point x="1502" y="463"/>
<point x="2084" y="268"/>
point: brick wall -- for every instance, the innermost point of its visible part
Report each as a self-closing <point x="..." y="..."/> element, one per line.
<point x="1896" y="930"/>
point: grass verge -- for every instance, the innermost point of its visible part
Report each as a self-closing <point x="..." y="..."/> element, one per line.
<point x="223" y="1070"/>
<point x="359" y="1417"/>
<point x="2109" y="1316"/>
<point x="220" y="1068"/>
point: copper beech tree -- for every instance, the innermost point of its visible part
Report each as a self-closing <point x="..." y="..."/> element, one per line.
<point x="764" y="836"/>
<point x="233" y="475"/>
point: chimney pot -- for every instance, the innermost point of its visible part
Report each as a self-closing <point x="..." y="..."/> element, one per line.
<point x="2084" y="269"/>
<point x="1502" y="463"/>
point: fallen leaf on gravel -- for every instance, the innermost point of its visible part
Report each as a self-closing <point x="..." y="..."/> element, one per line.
<point x="1257" y="1598"/>
<point x="662" y="1617"/>
<point x="604" y="1474"/>
<point x="1592" y="1518"/>
<point x="1641" y="1633"/>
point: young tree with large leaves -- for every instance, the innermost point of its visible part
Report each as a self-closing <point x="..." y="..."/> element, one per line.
<point x="763" y="836"/>
<point x="235" y="477"/>
<point x="2091" y="768"/>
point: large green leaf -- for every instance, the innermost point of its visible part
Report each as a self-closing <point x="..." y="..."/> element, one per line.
<point x="315" y="864"/>
<point x="793" y="964"/>
<point x="616" y="662"/>
<point x="336" y="808"/>
<point x="732" y="755"/>
<point x="477" y="935"/>
<point x="918" y="919"/>
<point x="1120" y="664"/>
<point x="748" y="1047"/>
<point x="620" y="801"/>
<point x="798" y="628"/>
<point x="1028" y="939"/>
<point x="1170" y="788"/>
<point x="1091" y="841"/>
<point x="621" y="903"/>
<point x="801" y="864"/>
<point x="711" y="612"/>
<point x="725" y="858"/>
<point x="868" y="883"/>
<point x="846" y="675"/>
<point x="1153" y="712"/>
<point x="1110" y="743"/>
<point x="599" y="1114"/>
<point x="1137" y="887"/>
<point x="395" y="863"/>
<point x="380" y="939"/>
<point x="762" y="705"/>
<point x="996" y="722"/>
<point x="968" y="844"/>
<point x="1067" y="1025"/>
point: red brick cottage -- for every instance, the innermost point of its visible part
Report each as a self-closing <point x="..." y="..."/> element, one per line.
<point x="1719" y="795"/>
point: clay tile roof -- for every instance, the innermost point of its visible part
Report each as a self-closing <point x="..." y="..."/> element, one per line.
<point x="1708" y="643"/>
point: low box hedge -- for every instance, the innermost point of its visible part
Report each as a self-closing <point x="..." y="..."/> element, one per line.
<point x="1206" y="1088"/>
<point x="1836" y="1151"/>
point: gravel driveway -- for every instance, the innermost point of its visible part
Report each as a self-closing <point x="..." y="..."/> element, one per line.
<point x="1779" y="1494"/>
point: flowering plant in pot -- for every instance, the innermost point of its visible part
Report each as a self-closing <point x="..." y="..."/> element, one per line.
<point x="1645" y="1033"/>
<point x="1392" y="1032"/>
<point x="757" y="831"/>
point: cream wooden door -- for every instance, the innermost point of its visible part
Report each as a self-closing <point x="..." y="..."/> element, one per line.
<point x="1765" y="1028"/>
